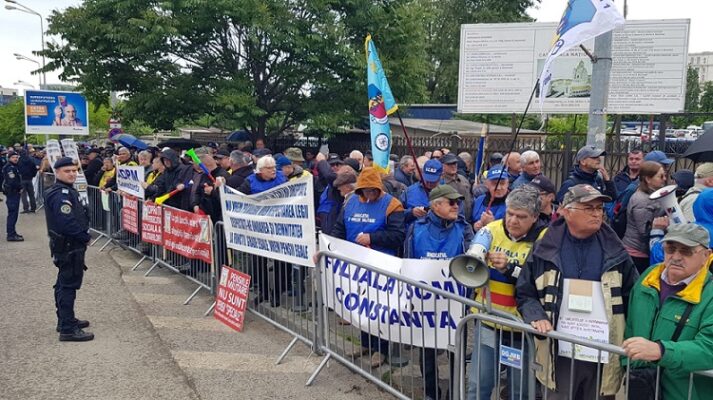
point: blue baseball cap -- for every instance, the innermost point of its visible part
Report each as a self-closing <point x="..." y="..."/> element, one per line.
<point x="495" y="172"/>
<point x="658" y="156"/>
<point x="432" y="171"/>
<point x="282" y="161"/>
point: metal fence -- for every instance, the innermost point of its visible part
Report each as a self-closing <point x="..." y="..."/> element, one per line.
<point x="484" y="354"/>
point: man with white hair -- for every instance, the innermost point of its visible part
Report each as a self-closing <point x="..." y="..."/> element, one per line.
<point x="704" y="180"/>
<point x="357" y="155"/>
<point x="531" y="168"/>
<point x="405" y="172"/>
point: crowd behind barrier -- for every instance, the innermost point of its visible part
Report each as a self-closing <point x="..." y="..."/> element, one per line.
<point x="296" y="301"/>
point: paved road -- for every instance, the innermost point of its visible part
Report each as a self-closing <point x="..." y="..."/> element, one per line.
<point x="148" y="345"/>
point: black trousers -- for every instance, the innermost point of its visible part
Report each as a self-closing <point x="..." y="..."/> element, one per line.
<point x="28" y="190"/>
<point x="69" y="279"/>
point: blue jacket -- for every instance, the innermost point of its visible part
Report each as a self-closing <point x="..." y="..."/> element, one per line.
<point x="481" y="204"/>
<point x="400" y="176"/>
<point x="255" y="184"/>
<point x="414" y="196"/>
<point x="435" y="238"/>
<point x="522" y="180"/>
<point x="66" y="215"/>
<point x="580" y="177"/>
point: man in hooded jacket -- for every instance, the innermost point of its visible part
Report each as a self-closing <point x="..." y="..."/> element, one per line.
<point x="176" y="176"/>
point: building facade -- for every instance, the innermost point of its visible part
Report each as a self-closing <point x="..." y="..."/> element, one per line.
<point x="703" y="62"/>
<point x="7" y="95"/>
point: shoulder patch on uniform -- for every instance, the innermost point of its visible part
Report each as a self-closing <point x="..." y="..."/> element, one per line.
<point x="66" y="209"/>
<point x="11" y="175"/>
<point x="65" y="191"/>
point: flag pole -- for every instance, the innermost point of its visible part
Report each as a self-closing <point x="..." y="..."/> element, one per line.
<point x="410" y="147"/>
<point x="514" y="139"/>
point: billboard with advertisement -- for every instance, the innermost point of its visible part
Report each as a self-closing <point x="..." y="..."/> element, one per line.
<point x="64" y="113"/>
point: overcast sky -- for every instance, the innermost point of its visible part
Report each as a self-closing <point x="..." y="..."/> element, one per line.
<point x="20" y="32"/>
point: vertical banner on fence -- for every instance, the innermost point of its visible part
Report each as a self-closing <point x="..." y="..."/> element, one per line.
<point x="386" y="307"/>
<point x="70" y="150"/>
<point x="152" y="224"/>
<point x="130" y="214"/>
<point x="277" y="223"/>
<point x="187" y="234"/>
<point x="232" y="298"/>
<point x="129" y="180"/>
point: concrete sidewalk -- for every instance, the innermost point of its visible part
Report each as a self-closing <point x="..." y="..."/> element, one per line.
<point x="148" y="344"/>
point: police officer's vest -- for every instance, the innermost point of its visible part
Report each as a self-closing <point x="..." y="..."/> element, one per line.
<point x="258" y="185"/>
<point x="366" y="217"/>
<point x="429" y="247"/>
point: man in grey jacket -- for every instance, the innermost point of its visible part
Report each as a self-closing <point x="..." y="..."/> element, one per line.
<point x="704" y="180"/>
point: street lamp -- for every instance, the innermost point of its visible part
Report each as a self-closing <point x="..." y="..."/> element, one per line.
<point x="21" y="57"/>
<point x="23" y="83"/>
<point x="22" y="8"/>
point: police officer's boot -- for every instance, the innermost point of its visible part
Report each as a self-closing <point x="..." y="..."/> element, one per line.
<point x="76" y="336"/>
<point x="81" y="324"/>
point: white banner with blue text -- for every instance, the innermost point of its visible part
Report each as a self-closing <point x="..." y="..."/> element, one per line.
<point x="278" y="223"/>
<point x="385" y="306"/>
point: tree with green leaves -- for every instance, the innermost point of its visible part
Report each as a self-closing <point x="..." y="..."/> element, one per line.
<point x="12" y="122"/>
<point x="693" y="90"/>
<point x="706" y="103"/>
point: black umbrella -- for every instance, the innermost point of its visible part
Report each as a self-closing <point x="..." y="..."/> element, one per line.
<point x="701" y="150"/>
<point x="180" y="143"/>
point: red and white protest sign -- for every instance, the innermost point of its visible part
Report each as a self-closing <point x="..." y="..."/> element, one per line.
<point x="152" y="224"/>
<point x="232" y="298"/>
<point x="187" y="234"/>
<point x="130" y="214"/>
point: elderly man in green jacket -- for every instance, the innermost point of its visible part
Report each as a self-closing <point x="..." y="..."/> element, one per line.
<point x="658" y="302"/>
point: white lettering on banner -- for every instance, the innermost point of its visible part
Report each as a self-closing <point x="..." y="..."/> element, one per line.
<point x="277" y="223"/>
<point x="385" y="306"/>
<point x="129" y="179"/>
<point x="362" y="218"/>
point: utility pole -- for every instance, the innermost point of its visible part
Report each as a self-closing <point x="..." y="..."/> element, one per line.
<point x="599" y="99"/>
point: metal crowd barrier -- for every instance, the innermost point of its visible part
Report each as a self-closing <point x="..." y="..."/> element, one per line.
<point x="43" y="181"/>
<point x="99" y="220"/>
<point x="197" y="271"/>
<point x="292" y="299"/>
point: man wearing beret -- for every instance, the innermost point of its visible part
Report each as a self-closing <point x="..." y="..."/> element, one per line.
<point x="68" y="230"/>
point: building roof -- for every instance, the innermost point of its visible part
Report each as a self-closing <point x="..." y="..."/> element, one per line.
<point x="451" y="126"/>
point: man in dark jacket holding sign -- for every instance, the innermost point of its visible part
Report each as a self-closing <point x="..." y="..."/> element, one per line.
<point x="68" y="230"/>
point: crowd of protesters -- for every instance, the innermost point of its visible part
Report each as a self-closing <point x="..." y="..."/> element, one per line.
<point x="651" y="272"/>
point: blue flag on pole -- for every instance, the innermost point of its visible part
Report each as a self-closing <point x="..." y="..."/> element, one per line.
<point x="381" y="105"/>
<point x="582" y="20"/>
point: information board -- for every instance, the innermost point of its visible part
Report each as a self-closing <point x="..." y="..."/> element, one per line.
<point x="500" y="63"/>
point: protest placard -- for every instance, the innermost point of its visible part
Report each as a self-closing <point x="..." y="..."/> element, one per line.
<point x="70" y="150"/>
<point x="232" y="297"/>
<point x="187" y="234"/>
<point x="277" y="223"/>
<point x="385" y="306"/>
<point x="130" y="214"/>
<point x="129" y="179"/>
<point x="152" y="223"/>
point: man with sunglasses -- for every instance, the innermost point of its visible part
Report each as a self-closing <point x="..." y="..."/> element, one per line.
<point x="679" y="286"/>
<point x="442" y="233"/>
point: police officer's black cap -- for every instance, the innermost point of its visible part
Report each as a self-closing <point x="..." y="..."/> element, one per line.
<point x="64" y="162"/>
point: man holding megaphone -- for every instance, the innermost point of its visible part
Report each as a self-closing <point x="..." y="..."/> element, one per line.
<point x="502" y="246"/>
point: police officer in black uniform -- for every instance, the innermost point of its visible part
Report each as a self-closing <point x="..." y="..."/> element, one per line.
<point x="12" y="186"/>
<point x="68" y="230"/>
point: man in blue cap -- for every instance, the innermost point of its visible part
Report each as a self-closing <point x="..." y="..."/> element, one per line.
<point x="491" y="206"/>
<point x="415" y="198"/>
<point x="68" y="230"/>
